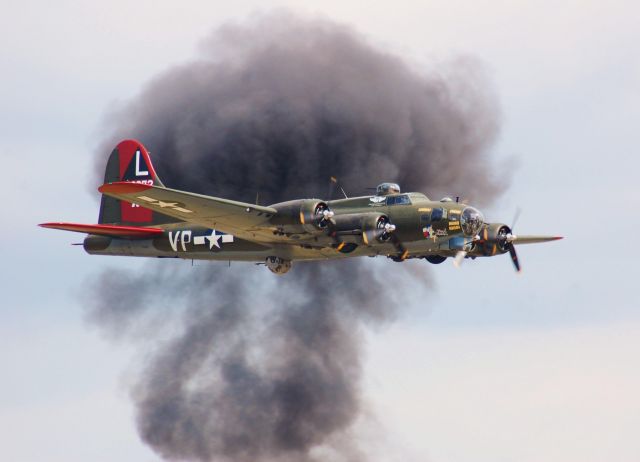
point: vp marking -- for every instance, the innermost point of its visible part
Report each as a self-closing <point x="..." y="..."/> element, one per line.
<point x="185" y="237"/>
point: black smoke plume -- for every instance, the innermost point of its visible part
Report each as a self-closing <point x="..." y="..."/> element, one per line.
<point x="240" y="364"/>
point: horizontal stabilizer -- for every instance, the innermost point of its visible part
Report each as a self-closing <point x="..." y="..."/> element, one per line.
<point x="131" y="232"/>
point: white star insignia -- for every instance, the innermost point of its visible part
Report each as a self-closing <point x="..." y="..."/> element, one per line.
<point x="214" y="239"/>
<point x="166" y="204"/>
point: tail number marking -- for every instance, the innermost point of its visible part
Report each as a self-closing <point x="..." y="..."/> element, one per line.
<point x="184" y="236"/>
<point x="138" y="171"/>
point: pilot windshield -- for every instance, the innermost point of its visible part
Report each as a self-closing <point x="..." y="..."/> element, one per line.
<point x="472" y="221"/>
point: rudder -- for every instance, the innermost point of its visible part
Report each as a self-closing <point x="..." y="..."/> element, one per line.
<point x="130" y="161"/>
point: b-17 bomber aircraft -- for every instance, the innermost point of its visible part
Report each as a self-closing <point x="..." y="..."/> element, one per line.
<point x="140" y="217"/>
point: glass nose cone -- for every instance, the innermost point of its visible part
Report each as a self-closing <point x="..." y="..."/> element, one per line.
<point x="471" y="221"/>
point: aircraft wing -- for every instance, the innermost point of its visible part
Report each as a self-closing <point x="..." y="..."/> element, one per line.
<point x="248" y="221"/>
<point x="534" y="239"/>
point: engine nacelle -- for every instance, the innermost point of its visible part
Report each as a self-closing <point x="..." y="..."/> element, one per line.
<point x="371" y="227"/>
<point x="306" y="215"/>
<point x="349" y="222"/>
<point x="494" y="239"/>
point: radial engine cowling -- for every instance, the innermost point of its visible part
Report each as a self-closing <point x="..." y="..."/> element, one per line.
<point x="493" y="239"/>
<point x="314" y="215"/>
<point x="376" y="227"/>
<point x="371" y="227"/>
<point x="306" y="215"/>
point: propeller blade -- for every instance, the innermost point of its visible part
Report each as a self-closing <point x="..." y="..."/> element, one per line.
<point x="332" y="181"/>
<point x="386" y="232"/>
<point x="514" y="256"/>
<point x="404" y="253"/>
<point x="459" y="258"/>
<point x="515" y="217"/>
<point x="387" y="229"/>
<point x="534" y="239"/>
<point x="332" y="232"/>
<point x="327" y="214"/>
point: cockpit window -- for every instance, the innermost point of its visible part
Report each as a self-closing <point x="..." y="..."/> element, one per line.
<point x="472" y="221"/>
<point x="398" y="200"/>
<point x="436" y="214"/>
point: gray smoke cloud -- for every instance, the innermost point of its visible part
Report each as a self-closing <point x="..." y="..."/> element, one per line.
<point x="239" y="364"/>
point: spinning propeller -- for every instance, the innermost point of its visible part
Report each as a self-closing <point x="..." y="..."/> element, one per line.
<point x="508" y="239"/>
<point x="385" y="232"/>
<point x="324" y="218"/>
<point x="504" y="240"/>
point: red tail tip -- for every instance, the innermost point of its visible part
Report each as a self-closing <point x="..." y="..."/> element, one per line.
<point x="123" y="187"/>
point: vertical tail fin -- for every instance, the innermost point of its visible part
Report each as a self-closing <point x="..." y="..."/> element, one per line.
<point x="130" y="161"/>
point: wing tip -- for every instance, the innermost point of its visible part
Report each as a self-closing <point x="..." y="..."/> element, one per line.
<point x="106" y="230"/>
<point x="50" y="225"/>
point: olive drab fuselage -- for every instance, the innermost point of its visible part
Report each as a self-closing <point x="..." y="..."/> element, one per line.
<point x="141" y="217"/>
<point x="424" y="228"/>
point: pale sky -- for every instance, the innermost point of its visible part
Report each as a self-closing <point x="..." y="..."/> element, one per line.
<point x="484" y="365"/>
